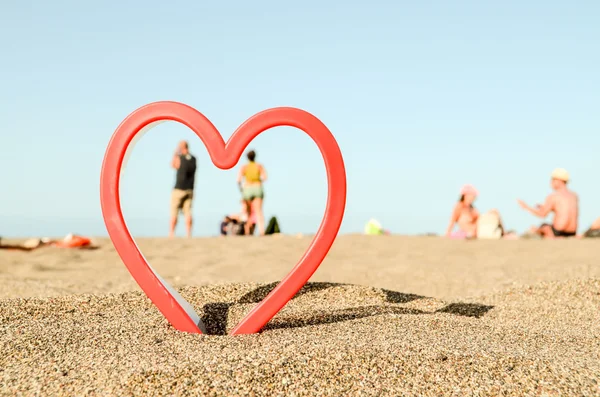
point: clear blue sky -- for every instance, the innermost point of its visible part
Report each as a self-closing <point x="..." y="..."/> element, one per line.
<point x="422" y="97"/>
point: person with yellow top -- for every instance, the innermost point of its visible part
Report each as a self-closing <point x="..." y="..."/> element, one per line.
<point x="254" y="176"/>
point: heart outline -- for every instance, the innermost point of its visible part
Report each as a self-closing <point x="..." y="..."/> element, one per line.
<point x="224" y="155"/>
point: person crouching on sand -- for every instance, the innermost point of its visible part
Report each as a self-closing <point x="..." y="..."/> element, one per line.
<point x="238" y="224"/>
<point x="563" y="202"/>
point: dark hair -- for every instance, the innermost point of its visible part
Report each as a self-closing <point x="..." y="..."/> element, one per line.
<point x="462" y="199"/>
<point x="251" y="155"/>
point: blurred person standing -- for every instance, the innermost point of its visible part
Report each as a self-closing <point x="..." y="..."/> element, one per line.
<point x="183" y="192"/>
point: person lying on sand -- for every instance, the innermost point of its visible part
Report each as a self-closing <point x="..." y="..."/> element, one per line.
<point x="563" y="202"/>
<point x="70" y="241"/>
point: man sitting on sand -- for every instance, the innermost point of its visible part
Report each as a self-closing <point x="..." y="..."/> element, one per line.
<point x="565" y="205"/>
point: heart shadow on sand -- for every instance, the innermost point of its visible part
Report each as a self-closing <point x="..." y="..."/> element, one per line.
<point x="215" y="315"/>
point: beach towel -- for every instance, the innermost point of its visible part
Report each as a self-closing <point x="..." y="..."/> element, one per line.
<point x="73" y="241"/>
<point x="459" y="235"/>
<point x="489" y="227"/>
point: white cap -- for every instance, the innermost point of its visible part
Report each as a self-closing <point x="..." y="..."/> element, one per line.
<point x="560" y="174"/>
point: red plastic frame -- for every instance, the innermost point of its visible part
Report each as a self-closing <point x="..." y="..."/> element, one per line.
<point x="225" y="156"/>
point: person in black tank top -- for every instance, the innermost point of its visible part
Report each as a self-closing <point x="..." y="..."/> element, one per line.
<point x="183" y="192"/>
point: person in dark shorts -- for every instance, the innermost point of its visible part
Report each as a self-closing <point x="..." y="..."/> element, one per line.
<point x="557" y="233"/>
<point x="563" y="202"/>
<point x="183" y="192"/>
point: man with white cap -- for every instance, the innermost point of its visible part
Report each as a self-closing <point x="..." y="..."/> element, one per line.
<point x="563" y="202"/>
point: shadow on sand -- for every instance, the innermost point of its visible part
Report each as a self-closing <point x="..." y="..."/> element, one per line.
<point x="216" y="314"/>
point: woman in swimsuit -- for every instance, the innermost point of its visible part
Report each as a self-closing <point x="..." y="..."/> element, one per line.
<point x="465" y="214"/>
<point x="254" y="176"/>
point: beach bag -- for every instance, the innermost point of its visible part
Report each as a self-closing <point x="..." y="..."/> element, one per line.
<point x="488" y="226"/>
<point x="273" y="226"/>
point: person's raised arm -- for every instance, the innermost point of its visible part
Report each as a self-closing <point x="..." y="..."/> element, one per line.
<point x="540" y="211"/>
<point x="453" y="219"/>
<point x="176" y="161"/>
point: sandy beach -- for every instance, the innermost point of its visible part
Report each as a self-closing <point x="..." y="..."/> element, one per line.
<point x="385" y="315"/>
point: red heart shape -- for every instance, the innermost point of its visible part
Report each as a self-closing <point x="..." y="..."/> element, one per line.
<point x="225" y="156"/>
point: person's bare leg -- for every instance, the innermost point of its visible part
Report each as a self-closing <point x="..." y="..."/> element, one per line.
<point x="174" y="212"/>
<point x="186" y="208"/>
<point x="546" y="232"/>
<point x="247" y="207"/>
<point x="173" y="226"/>
<point x="188" y="225"/>
<point x="534" y="230"/>
<point x="260" y="218"/>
